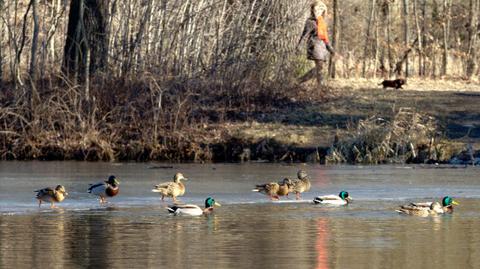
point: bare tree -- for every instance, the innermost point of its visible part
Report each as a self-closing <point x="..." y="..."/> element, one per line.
<point x="419" y="37"/>
<point x="33" y="57"/>
<point x="85" y="36"/>
<point x="335" y="35"/>
<point x="447" y="4"/>
<point x="230" y="39"/>
<point x="423" y="55"/>
<point x="406" y="33"/>
<point x="386" y="68"/>
<point x="473" y="29"/>
<point x="2" y="34"/>
<point x="368" y="40"/>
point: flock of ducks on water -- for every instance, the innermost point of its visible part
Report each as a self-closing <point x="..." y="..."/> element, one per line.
<point x="274" y="190"/>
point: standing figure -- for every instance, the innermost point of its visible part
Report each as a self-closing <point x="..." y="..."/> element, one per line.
<point x="318" y="44"/>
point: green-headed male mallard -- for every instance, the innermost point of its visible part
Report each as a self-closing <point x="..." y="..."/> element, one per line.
<point x="193" y="210"/>
<point x="274" y="189"/>
<point x="300" y="185"/>
<point x="341" y="199"/>
<point x="172" y="189"/>
<point x="51" y="195"/>
<point x="447" y="204"/>
<point x="108" y="188"/>
<point x="414" y="209"/>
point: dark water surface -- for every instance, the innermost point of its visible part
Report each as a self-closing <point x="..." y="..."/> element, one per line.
<point x="248" y="231"/>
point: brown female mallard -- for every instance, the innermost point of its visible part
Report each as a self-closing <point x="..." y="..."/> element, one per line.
<point x="300" y="185"/>
<point x="271" y="189"/>
<point x="172" y="189"/>
<point x="284" y="187"/>
<point x="51" y="195"/>
<point x="275" y="189"/>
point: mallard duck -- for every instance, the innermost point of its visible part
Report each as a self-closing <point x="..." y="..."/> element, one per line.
<point x="284" y="187"/>
<point x="300" y="185"/>
<point x="341" y="199"/>
<point x="275" y="189"/>
<point x="271" y="189"/>
<point x="51" y="195"/>
<point x="414" y="209"/>
<point x="193" y="210"/>
<point x="172" y="189"/>
<point x="108" y="188"/>
<point x="447" y="204"/>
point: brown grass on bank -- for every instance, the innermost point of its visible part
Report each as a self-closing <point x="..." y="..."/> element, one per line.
<point x="144" y="118"/>
<point x="377" y="140"/>
<point x="148" y="118"/>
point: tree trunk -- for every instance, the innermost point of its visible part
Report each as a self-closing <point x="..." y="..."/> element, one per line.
<point x="139" y="36"/>
<point x="424" y="38"/>
<point x="473" y="28"/>
<point x="33" y="57"/>
<point x="376" y="48"/>
<point x="335" y="35"/>
<point x="446" y="34"/>
<point x="86" y="32"/>
<point x="368" y="40"/>
<point x="406" y="33"/>
<point x="20" y="47"/>
<point x="386" y="68"/>
<point x="389" y="40"/>
<point x="419" y="36"/>
<point x="2" y="34"/>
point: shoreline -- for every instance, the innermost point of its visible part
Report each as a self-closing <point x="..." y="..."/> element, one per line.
<point x="352" y="123"/>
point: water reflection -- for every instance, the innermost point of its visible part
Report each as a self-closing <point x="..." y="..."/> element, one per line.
<point x="405" y="242"/>
<point x="321" y="244"/>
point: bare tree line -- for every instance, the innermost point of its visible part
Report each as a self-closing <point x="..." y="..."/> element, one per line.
<point x="441" y="43"/>
<point x="220" y="38"/>
<point x="122" y="38"/>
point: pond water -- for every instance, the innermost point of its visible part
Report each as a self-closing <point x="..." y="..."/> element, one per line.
<point x="135" y="231"/>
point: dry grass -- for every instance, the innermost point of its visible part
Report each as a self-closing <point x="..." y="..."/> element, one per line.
<point x="313" y="120"/>
<point x="196" y="123"/>
<point x="376" y="140"/>
<point x="413" y="84"/>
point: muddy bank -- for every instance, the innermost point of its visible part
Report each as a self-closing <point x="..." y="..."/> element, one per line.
<point x="199" y="122"/>
<point x="239" y="150"/>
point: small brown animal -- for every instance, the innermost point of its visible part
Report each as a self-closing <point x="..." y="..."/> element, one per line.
<point x="397" y="83"/>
